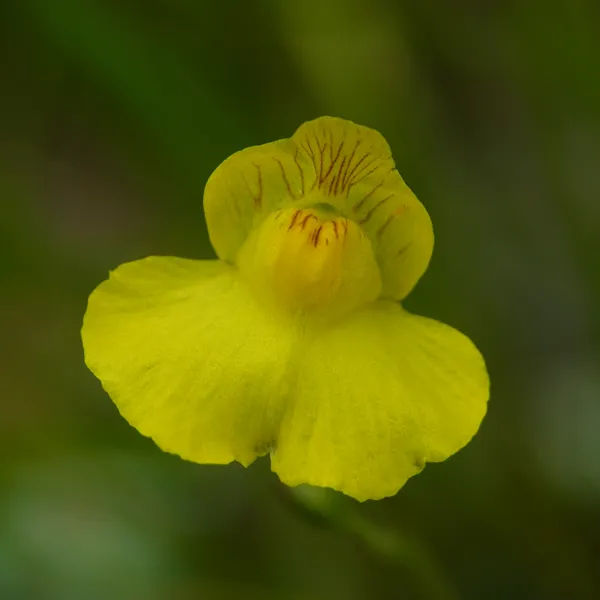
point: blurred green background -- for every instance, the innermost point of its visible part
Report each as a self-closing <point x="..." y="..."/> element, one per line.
<point x="112" y="116"/>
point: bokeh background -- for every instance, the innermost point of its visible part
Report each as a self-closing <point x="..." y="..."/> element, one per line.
<point x="113" y="113"/>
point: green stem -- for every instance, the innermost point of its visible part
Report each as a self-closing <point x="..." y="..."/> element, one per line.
<point x="338" y="513"/>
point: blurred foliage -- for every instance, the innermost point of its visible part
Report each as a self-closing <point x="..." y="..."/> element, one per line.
<point x="113" y="115"/>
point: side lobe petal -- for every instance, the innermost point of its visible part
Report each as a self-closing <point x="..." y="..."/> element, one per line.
<point x="376" y="398"/>
<point x="188" y="357"/>
<point x="247" y="187"/>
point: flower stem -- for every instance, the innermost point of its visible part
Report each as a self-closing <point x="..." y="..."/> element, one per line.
<point x="338" y="513"/>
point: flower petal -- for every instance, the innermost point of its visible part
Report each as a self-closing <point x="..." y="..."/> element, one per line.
<point x="376" y="398"/>
<point x="327" y="161"/>
<point x="189" y="358"/>
<point x="247" y="187"/>
<point x="301" y="263"/>
<point x="356" y="173"/>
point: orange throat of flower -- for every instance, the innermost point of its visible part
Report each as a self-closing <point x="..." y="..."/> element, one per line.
<point x="311" y="260"/>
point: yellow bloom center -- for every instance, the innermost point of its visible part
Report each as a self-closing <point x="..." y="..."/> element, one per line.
<point x="311" y="260"/>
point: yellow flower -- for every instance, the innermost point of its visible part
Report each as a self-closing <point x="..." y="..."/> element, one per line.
<point x="294" y="342"/>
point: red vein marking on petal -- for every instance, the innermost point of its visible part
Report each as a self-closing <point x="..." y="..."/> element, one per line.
<point x="235" y="198"/>
<point x="321" y="148"/>
<point x="360" y="203"/>
<point x="385" y="225"/>
<point x="285" y="179"/>
<point x="359" y="179"/>
<point x="358" y="175"/>
<point x="305" y="149"/>
<point x="349" y="173"/>
<point x="335" y="229"/>
<point x="306" y="219"/>
<point x="293" y="221"/>
<point x="321" y="158"/>
<point x="313" y="157"/>
<point x="333" y="186"/>
<point x="334" y="159"/>
<point x="349" y="163"/>
<point x="404" y="249"/>
<point x="370" y="213"/>
<point x="310" y="150"/>
<point x="316" y="235"/>
<point x="299" y="169"/>
<point x="330" y="146"/>
<point x="256" y="198"/>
